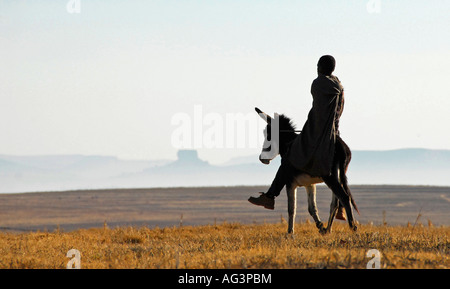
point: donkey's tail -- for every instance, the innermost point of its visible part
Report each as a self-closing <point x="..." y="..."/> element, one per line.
<point x="343" y="166"/>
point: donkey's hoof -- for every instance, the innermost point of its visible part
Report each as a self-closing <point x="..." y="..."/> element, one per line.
<point x="354" y="228"/>
<point x="290" y="236"/>
<point x="321" y="228"/>
<point x="324" y="232"/>
<point x="319" y="225"/>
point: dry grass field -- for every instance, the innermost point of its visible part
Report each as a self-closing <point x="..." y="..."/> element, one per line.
<point x="229" y="246"/>
<point x="217" y="228"/>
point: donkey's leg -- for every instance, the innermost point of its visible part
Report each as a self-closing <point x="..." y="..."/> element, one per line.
<point x="333" y="210"/>
<point x="334" y="184"/>
<point x="292" y="205"/>
<point x="312" y="206"/>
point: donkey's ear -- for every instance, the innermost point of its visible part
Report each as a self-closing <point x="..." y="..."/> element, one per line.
<point x="263" y="115"/>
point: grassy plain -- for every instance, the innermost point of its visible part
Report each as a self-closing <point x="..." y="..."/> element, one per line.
<point x="167" y="207"/>
<point x="217" y="228"/>
<point x="229" y="245"/>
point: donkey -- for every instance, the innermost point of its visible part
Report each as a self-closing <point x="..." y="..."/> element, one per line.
<point x="337" y="181"/>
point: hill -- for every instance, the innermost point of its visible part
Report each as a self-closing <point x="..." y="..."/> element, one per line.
<point x="403" y="166"/>
<point x="72" y="172"/>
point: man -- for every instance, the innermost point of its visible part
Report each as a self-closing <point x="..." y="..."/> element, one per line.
<point x="313" y="150"/>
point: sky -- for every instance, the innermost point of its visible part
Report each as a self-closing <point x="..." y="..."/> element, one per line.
<point x="118" y="78"/>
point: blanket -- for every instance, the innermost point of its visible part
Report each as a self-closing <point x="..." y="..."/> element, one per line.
<point x="313" y="149"/>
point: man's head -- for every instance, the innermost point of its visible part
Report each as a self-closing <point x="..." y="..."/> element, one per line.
<point x="326" y="64"/>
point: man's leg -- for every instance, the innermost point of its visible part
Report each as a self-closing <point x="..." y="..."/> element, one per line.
<point x="279" y="182"/>
<point x="267" y="200"/>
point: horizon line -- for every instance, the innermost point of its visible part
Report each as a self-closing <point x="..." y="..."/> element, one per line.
<point x="161" y="159"/>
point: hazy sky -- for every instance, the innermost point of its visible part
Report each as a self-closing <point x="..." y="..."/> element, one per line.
<point x="110" y="79"/>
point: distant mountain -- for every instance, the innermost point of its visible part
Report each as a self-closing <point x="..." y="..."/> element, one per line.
<point x="64" y="172"/>
<point x="68" y="172"/>
<point x="402" y="166"/>
<point x="186" y="162"/>
<point x="404" y="157"/>
<point x="190" y="170"/>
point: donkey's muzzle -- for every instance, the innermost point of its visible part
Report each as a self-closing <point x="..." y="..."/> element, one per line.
<point x="264" y="161"/>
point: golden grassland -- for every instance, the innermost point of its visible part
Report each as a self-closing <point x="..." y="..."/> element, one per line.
<point x="230" y="245"/>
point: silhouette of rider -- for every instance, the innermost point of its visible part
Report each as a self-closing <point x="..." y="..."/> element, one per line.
<point x="310" y="152"/>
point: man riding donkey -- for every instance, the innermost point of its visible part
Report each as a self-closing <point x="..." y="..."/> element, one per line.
<point x="313" y="149"/>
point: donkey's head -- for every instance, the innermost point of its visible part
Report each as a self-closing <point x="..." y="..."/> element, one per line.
<point x="270" y="147"/>
<point x="278" y="132"/>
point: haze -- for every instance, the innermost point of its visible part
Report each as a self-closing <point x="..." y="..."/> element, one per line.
<point x="107" y="80"/>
